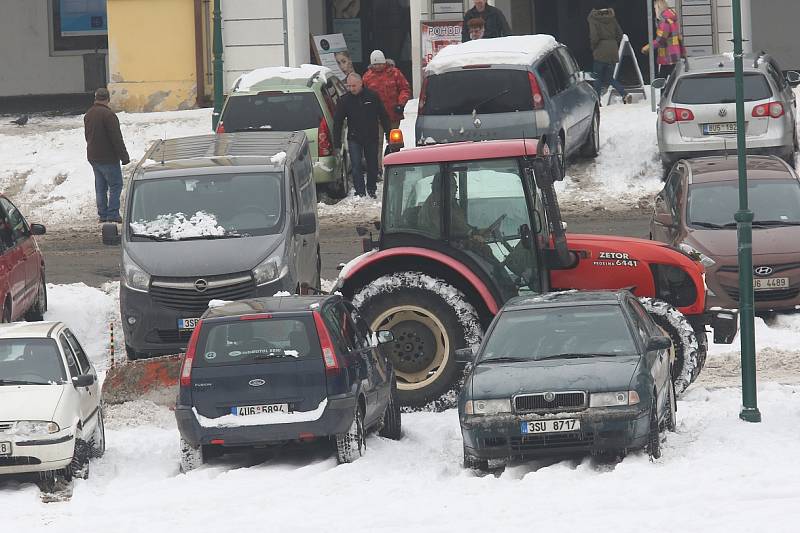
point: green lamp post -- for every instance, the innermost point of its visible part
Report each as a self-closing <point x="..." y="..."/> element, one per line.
<point x="218" y="75"/>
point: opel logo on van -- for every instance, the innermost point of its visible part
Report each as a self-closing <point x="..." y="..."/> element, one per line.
<point x="549" y="396"/>
<point x="257" y="382"/>
<point x="201" y="285"/>
<point x="763" y="271"/>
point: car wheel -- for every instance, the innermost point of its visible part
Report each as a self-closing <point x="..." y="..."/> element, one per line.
<point x="79" y="467"/>
<point x="559" y="150"/>
<point x="429" y="319"/>
<point x="98" y="443"/>
<point x="591" y="148"/>
<point x="319" y="271"/>
<point x="340" y="187"/>
<point x="191" y="457"/>
<point x="39" y="307"/>
<point x="392" y="426"/>
<point x="654" y="436"/>
<point x="473" y="463"/>
<point x="672" y="422"/>
<point x="350" y="445"/>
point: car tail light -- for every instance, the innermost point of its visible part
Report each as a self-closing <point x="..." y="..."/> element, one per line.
<point x="221" y="127"/>
<point x="671" y="115"/>
<point x="261" y="316"/>
<point x="773" y="109"/>
<point x="324" y="147"/>
<point x="186" y="369"/>
<point x="422" y="96"/>
<point x="536" y="92"/>
<point x="325" y="343"/>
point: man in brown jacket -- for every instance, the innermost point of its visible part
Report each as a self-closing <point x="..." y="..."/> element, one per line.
<point x="604" y="38"/>
<point x="105" y="149"/>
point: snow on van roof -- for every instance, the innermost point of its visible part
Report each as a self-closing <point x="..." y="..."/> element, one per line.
<point x="303" y="72"/>
<point x="514" y="50"/>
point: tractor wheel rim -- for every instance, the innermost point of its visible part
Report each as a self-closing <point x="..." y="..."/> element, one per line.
<point x="421" y="348"/>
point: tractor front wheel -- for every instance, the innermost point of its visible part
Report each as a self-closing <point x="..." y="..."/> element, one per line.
<point x="430" y="320"/>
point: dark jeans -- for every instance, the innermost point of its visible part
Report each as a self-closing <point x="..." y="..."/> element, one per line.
<point x="370" y="153"/>
<point x="603" y="76"/>
<point x="107" y="188"/>
<point x="664" y="71"/>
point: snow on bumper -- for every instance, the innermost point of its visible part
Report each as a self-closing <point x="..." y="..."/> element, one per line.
<point x="37" y="453"/>
<point x="602" y="429"/>
<point x="333" y="415"/>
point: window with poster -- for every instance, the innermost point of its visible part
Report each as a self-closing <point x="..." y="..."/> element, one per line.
<point x="78" y="25"/>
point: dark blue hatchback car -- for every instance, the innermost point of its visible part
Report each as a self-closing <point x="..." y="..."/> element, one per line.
<point x="281" y="370"/>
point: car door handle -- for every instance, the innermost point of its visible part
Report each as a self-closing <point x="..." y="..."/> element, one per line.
<point x="305" y="242"/>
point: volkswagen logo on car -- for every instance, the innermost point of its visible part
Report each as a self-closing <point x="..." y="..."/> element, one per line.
<point x="201" y="285"/>
<point x="723" y="112"/>
<point x="257" y="382"/>
<point x="763" y="271"/>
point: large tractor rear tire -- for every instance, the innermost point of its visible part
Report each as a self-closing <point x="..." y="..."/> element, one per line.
<point x="430" y="320"/>
<point x="690" y="352"/>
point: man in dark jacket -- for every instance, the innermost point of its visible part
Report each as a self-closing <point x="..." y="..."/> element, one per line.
<point x="363" y="110"/>
<point x="105" y="149"/>
<point x="604" y="38"/>
<point x="495" y="22"/>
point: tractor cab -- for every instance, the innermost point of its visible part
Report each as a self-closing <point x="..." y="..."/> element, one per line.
<point x="475" y="202"/>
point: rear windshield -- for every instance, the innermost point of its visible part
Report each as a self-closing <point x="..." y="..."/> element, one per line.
<point x="31" y="361"/>
<point x="248" y="341"/>
<point x="272" y="111"/>
<point x="207" y="206"/>
<point x="719" y="89"/>
<point x="489" y="91"/>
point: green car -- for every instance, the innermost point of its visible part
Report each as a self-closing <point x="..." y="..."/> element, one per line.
<point x="566" y="373"/>
<point x="292" y="99"/>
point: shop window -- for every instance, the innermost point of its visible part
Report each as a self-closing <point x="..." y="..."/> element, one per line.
<point x="78" y="25"/>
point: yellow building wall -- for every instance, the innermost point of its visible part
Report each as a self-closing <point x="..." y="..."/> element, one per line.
<point x="151" y="51"/>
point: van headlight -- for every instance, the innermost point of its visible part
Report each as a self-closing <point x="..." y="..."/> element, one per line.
<point x="487" y="407"/>
<point x="697" y="255"/>
<point x="269" y="270"/>
<point x="35" y="428"/>
<point x="133" y="276"/>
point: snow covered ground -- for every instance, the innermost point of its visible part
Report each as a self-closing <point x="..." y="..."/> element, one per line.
<point x="717" y="473"/>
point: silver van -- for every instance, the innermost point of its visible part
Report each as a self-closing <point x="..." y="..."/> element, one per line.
<point x="509" y="88"/>
<point x="223" y="217"/>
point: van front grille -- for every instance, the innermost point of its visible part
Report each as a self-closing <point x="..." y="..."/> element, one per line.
<point x="182" y="294"/>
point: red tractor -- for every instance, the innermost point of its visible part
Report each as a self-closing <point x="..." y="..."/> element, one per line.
<point x="467" y="226"/>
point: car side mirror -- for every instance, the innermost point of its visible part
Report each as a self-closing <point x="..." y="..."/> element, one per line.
<point x="38" y="229"/>
<point x="86" y="380"/>
<point x="306" y="223"/>
<point x="385" y="336"/>
<point x="466" y="355"/>
<point x="659" y="83"/>
<point x="658" y="343"/>
<point x="664" y="219"/>
<point x="793" y="78"/>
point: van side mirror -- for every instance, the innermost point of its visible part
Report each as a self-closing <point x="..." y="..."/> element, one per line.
<point x="658" y="343"/>
<point x="306" y="223"/>
<point x="111" y="236"/>
<point x="38" y="229"/>
<point x="659" y="83"/>
<point x="466" y="355"/>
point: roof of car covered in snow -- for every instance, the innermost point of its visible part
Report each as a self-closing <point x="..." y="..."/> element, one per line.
<point x="273" y="304"/>
<point x="512" y="50"/>
<point x="19" y="330"/>
<point x="270" y="76"/>
<point x="463" y="151"/>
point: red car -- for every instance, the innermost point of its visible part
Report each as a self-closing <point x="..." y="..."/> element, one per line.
<point x="22" y="280"/>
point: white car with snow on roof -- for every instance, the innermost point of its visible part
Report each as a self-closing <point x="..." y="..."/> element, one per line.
<point x="51" y="417"/>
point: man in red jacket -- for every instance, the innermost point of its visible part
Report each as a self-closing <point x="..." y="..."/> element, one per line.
<point x="392" y="88"/>
<point x="105" y="149"/>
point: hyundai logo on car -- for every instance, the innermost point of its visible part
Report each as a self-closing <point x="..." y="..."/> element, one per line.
<point x="257" y="382"/>
<point x="763" y="271"/>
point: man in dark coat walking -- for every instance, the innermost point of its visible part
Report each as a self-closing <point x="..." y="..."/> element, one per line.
<point x="105" y="149"/>
<point x="495" y="23"/>
<point x="605" y="35"/>
<point x="363" y="110"/>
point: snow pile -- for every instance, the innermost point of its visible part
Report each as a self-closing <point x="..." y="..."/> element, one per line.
<point x="232" y="421"/>
<point x="278" y="158"/>
<point x="514" y="50"/>
<point x="177" y="226"/>
<point x="353" y="208"/>
<point x="303" y="72"/>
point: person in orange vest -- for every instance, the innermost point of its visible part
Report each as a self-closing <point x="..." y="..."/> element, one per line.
<point x="393" y="90"/>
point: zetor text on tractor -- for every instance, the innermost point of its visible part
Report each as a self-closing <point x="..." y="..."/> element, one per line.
<point x="467" y="226"/>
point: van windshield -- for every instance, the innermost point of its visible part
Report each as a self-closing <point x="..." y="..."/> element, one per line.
<point x="272" y="111"/>
<point x="490" y="91"/>
<point x="207" y="207"/>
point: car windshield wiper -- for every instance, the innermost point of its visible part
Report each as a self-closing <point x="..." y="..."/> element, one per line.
<point x="709" y="225"/>
<point x="276" y="353"/>
<point x="504" y="359"/>
<point x="210" y="237"/>
<point x="569" y="356"/>
<point x="776" y="223"/>
<point x="150" y="236"/>
<point x="21" y="382"/>
<point x="498" y="95"/>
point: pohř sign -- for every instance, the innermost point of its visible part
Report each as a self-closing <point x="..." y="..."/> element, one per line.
<point x="436" y="34"/>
